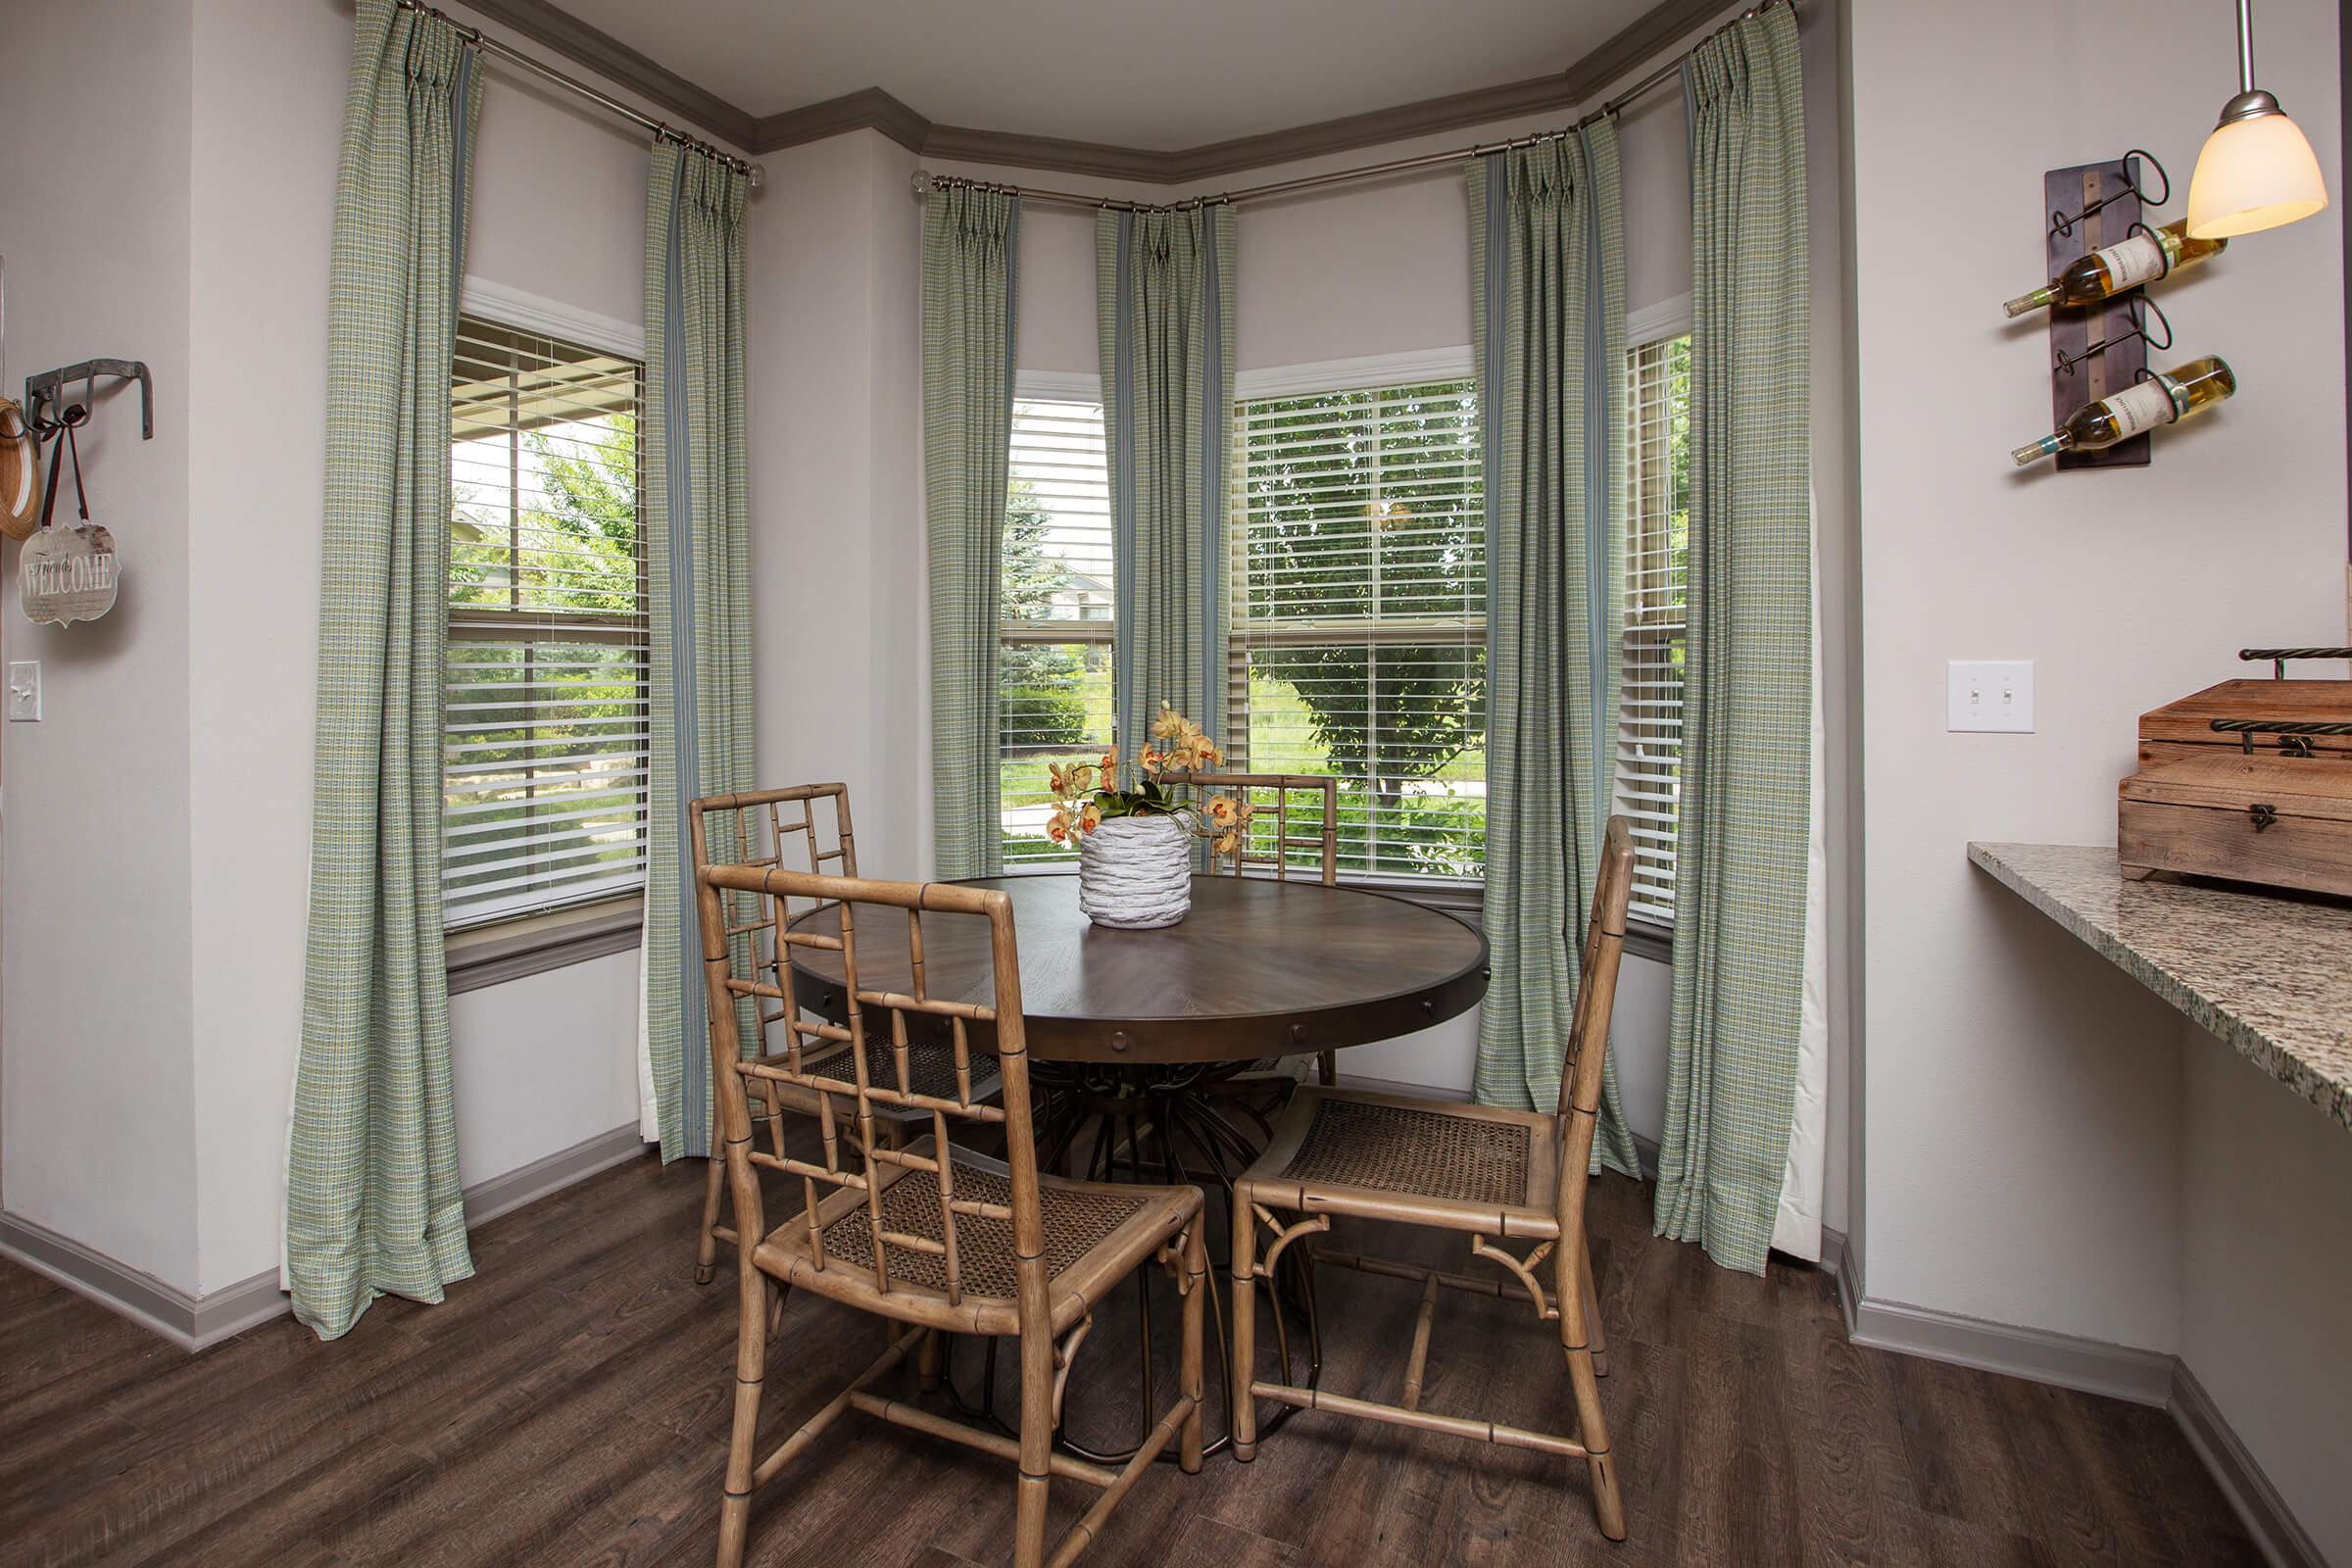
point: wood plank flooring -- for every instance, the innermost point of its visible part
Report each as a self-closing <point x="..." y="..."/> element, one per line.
<point x="568" y="1406"/>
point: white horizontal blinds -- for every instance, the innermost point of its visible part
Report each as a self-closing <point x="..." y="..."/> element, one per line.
<point x="1358" y="615"/>
<point x="544" y="730"/>
<point x="1649" y="731"/>
<point x="1055" y="670"/>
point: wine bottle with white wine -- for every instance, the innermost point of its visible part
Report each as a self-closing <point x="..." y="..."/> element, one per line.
<point x="2138" y="259"/>
<point x="2164" y="397"/>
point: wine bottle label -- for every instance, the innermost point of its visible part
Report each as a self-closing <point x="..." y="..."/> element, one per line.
<point x="2141" y="407"/>
<point x="2135" y="262"/>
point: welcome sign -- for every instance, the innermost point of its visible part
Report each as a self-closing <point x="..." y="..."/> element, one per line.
<point x="67" y="574"/>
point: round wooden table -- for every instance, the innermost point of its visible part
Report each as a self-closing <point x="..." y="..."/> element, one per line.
<point x="1140" y="1038"/>
<point x="1259" y="968"/>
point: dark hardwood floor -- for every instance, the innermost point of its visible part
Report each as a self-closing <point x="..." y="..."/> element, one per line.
<point x="568" y="1406"/>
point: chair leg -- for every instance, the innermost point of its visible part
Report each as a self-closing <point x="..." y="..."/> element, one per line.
<point x="1189" y="1378"/>
<point x="751" y="1366"/>
<point x="1037" y="1443"/>
<point x="1241" y="1405"/>
<point x="927" y="1357"/>
<point x="1593" y="1431"/>
<point x="715" y="1180"/>
<point x="1327" y="1068"/>
<point x="1592" y="1330"/>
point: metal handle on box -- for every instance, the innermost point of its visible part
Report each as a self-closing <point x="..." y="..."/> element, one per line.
<point x="2278" y="657"/>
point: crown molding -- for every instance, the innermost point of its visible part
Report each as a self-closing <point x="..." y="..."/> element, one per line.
<point x="873" y="109"/>
<point x="867" y="109"/>
<point x="1632" y="46"/>
<point x="545" y="24"/>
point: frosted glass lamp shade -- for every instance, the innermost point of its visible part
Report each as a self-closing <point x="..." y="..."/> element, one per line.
<point x="2255" y="173"/>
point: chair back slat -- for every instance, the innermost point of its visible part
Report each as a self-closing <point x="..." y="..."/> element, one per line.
<point x="873" y="1073"/>
<point x="803" y="827"/>
<point x="1596" y="1001"/>
<point x="1291" y="795"/>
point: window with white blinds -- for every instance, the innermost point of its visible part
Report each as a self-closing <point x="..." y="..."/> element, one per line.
<point x="545" y="735"/>
<point x="1650" y="728"/>
<point x="1055" y="662"/>
<point x="1358" y="625"/>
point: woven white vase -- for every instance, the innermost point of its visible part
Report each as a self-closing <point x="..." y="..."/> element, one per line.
<point x="1136" y="872"/>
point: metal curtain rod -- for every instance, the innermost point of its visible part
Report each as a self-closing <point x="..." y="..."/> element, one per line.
<point x="925" y="182"/>
<point x="507" y="52"/>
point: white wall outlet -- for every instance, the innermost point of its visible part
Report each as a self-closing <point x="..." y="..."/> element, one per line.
<point x="1990" y="694"/>
<point x="24" y="690"/>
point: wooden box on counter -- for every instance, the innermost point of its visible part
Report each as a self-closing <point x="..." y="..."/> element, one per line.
<point x="2249" y="780"/>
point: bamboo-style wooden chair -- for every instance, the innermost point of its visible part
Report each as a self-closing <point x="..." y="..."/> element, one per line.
<point x="936" y="1238"/>
<point x="755" y="828"/>
<point x="1499" y="1176"/>
<point x="1288" y="794"/>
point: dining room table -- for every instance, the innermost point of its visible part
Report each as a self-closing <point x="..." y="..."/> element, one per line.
<point x="1153" y="1050"/>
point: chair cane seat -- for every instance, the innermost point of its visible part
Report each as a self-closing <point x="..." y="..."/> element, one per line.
<point x="1096" y="1234"/>
<point x="1459" y="1167"/>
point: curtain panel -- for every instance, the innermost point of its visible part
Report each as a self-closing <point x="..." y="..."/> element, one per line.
<point x="373" y="1203"/>
<point x="970" y="291"/>
<point x="1548" y="320"/>
<point x="1163" y="303"/>
<point x="699" y="581"/>
<point x="1743" y="839"/>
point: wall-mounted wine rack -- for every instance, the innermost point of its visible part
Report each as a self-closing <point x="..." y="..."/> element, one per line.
<point x="2091" y="206"/>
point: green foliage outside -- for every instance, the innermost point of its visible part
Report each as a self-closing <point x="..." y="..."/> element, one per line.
<point x="1039" y="684"/>
<point x="1356" y="519"/>
<point x="552" y="738"/>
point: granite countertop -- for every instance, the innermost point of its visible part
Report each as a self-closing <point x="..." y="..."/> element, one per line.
<point x="2272" y="976"/>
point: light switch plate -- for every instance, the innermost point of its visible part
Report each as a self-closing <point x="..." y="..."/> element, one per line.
<point x="24" y="690"/>
<point x="1990" y="695"/>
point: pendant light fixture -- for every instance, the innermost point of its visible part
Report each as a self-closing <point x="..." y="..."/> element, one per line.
<point x="2257" y="170"/>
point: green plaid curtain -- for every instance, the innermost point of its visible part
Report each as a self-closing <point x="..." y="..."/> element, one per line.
<point x="1739" y="928"/>
<point x="1163" y="307"/>
<point x="373" y="1203"/>
<point x="698" y="577"/>
<point x="970" y="284"/>
<point x="1548" y="318"/>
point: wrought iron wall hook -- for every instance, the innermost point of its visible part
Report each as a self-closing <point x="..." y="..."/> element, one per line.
<point x="2138" y="306"/>
<point x="50" y="386"/>
<point x="2064" y="222"/>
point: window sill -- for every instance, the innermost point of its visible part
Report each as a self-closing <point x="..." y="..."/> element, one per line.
<point x="1645" y="939"/>
<point x="533" y="944"/>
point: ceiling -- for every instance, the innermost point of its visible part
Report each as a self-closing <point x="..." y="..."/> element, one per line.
<point x="1142" y="73"/>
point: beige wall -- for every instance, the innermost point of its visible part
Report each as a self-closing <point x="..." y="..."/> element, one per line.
<point x="559" y="212"/>
<point x="95" y="1074"/>
<point x="2023" y="1102"/>
<point x="2039" y="1151"/>
<point x="189" y="224"/>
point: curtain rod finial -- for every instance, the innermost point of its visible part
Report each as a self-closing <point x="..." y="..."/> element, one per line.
<point x="922" y="182"/>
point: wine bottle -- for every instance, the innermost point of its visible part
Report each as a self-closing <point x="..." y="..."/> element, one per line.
<point x="2164" y="397"/>
<point x="2135" y="259"/>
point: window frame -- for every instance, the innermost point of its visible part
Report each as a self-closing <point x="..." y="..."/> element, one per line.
<point x="529" y="941"/>
<point x="1458" y="895"/>
<point x="1659" y="323"/>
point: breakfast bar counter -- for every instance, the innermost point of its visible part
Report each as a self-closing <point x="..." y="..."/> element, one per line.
<point x="2269" y="975"/>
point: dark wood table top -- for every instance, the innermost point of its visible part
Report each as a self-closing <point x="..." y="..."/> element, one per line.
<point x="1258" y="968"/>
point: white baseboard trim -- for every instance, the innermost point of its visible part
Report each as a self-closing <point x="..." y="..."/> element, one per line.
<point x="2263" y="1513"/>
<point x="2093" y="1366"/>
<point x="543" y="1178"/>
<point x="195" y="1322"/>
<point x="2143" y="1377"/>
